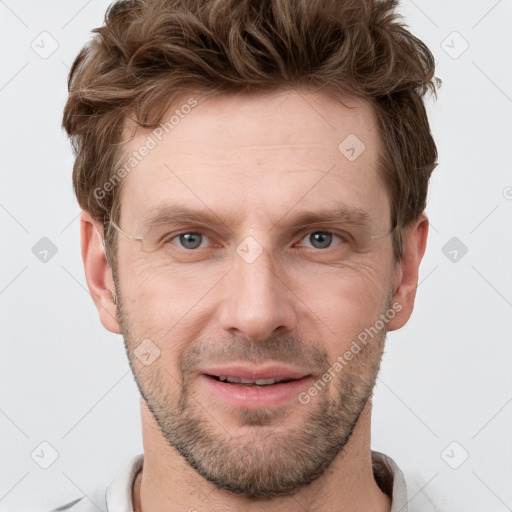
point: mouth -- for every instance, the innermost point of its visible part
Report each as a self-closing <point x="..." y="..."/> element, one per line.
<point x="253" y="388"/>
<point x="248" y="383"/>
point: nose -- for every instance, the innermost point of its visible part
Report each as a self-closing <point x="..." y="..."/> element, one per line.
<point x="256" y="301"/>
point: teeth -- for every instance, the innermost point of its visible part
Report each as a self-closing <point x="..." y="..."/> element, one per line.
<point x="264" y="382"/>
<point x="257" y="382"/>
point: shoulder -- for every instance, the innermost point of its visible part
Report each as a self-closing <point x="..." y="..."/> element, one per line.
<point x="408" y="491"/>
<point x="114" y="496"/>
<point x="89" y="503"/>
<point x="421" y="496"/>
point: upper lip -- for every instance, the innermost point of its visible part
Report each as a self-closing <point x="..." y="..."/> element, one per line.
<point x="244" y="371"/>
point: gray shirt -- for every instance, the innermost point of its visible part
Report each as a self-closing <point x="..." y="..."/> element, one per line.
<point x="117" y="496"/>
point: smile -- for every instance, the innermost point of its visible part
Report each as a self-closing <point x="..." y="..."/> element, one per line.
<point x="250" y="382"/>
<point x="252" y="387"/>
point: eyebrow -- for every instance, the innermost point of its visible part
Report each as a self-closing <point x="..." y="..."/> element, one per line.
<point x="352" y="216"/>
<point x="356" y="217"/>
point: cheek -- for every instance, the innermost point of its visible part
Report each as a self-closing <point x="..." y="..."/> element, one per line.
<point x="172" y="306"/>
<point x="162" y="305"/>
<point x="155" y="289"/>
<point x="342" y="302"/>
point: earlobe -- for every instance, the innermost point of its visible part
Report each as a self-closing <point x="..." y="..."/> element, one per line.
<point x="98" y="272"/>
<point x="406" y="275"/>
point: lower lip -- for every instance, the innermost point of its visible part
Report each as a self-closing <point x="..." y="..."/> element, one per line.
<point x="257" y="398"/>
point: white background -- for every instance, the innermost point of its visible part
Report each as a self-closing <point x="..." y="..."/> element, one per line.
<point x="446" y="376"/>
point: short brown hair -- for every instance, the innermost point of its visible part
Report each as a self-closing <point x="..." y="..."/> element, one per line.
<point x="150" y="52"/>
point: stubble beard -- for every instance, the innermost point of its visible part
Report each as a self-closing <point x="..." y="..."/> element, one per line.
<point x="262" y="460"/>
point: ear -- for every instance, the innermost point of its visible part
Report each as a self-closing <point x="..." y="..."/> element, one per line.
<point x="406" y="272"/>
<point x="98" y="272"/>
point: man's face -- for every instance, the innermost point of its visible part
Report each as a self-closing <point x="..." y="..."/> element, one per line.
<point x="260" y="291"/>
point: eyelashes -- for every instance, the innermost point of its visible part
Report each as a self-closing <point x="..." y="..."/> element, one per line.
<point x="193" y="240"/>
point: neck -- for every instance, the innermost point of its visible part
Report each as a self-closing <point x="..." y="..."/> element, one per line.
<point x="167" y="483"/>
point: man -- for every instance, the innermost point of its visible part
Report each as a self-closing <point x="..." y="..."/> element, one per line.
<point x="253" y="177"/>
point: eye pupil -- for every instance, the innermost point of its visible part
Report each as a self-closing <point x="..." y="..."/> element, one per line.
<point x="320" y="239"/>
<point x="191" y="240"/>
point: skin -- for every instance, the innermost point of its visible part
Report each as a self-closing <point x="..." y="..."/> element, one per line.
<point x="256" y="161"/>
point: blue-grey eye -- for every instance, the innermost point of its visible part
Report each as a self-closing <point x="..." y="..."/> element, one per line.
<point x="320" y="239"/>
<point x="191" y="240"/>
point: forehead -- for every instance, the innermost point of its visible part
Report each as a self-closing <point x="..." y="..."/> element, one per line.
<point x="257" y="155"/>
